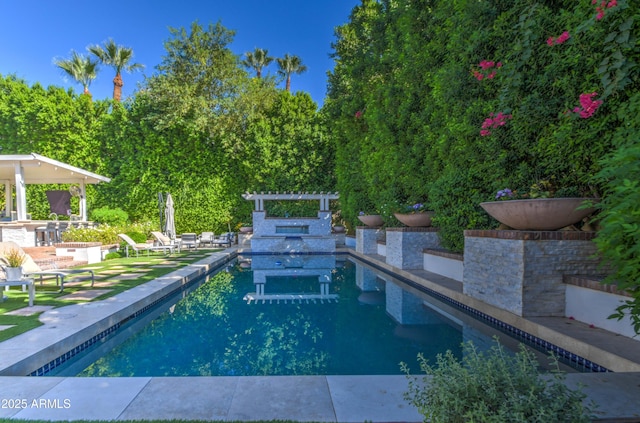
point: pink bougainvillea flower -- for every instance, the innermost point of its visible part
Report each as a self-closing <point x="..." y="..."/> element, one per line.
<point x="603" y="6"/>
<point x="492" y="122"/>
<point x="588" y="106"/>
<point x="485" y="65"/>
<point x="563" y="37"/>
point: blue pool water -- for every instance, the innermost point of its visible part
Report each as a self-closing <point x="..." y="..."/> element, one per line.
<point x="284" y="315"/>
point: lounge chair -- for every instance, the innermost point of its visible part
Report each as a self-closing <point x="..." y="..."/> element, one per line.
<point x="207" y="238"/>
<point x="137" y="247"/>
<point x="164" y="240"/>
<point x="189" y="240"/>
<point x="224" y="239"/>
<point x="31" y="269"/>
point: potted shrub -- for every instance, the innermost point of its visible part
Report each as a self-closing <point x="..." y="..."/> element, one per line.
<point x="337" y="224"/>
<point x="415" y="215"/>
<point x="539" y="210"/>
<point x="14" y="259"/>
<point x="373" y="220"/>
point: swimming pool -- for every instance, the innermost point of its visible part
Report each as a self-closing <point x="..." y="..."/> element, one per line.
<point x="290" y="315"/>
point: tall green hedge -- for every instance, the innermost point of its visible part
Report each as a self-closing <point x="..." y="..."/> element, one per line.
<point x="416" y="81"/>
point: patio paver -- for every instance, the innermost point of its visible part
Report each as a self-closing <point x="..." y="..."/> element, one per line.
<point x="84" y="295"/>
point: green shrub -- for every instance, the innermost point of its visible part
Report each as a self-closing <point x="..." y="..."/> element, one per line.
<point x="105" y="215"/>
<point x="302" y="208"/>
<point x="138" y="237"/>
<point x="619" y="238"/>
<point x="456" y="204"/>
<point x="102" y="235"/>
<point x="112" y="255"/>
<point x="107" y="234"/>
<point x="493" y="386"/>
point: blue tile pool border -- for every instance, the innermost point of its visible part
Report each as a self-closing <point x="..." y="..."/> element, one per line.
<point x="576" y="361"/>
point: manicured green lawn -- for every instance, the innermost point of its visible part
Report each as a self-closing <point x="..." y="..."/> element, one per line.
<point x="47" y="294"/>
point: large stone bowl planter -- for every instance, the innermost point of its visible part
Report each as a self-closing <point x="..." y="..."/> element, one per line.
<point x="373" y="220"/>
<point x="422" y="219"/>
<point x="538" y="214"/>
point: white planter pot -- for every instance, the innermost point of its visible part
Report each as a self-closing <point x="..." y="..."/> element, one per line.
<point x="13" y="273"/>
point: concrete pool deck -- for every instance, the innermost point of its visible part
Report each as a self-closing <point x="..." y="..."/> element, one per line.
<point x="302" y="398"/>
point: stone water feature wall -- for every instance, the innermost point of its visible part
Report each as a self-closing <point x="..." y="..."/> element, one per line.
<point x="292" y="234"/>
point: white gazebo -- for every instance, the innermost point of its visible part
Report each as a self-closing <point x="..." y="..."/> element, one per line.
<point x="19" y="170"/>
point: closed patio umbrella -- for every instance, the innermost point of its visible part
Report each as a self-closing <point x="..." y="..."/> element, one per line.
<point x="169" y="218"/>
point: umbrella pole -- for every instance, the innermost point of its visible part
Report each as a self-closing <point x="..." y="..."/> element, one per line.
<point x="160" y="210"/>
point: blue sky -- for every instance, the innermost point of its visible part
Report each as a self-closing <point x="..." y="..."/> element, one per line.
<point x="34" y="32"/>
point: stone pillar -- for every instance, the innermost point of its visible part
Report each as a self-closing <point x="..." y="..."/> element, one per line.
<point x="405" y="245"/>
<point x="522" y="271"/>
<point x="367" y="239"/>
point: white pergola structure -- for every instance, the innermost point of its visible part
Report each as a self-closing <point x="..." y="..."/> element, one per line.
<point x="292" y="234"/>
<point x="18" y="170"/>
<point x="260" y="198"/>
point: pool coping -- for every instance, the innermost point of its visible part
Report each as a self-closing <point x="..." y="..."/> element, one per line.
<point x="70" y="329"/>
<point x="617" y="393"/>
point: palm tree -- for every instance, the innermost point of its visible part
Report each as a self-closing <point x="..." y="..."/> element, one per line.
<point x="80" y="68"/>
<point x="118" y="57"/>
<point x="289" y="65"/>
<point x="257" y="60"/>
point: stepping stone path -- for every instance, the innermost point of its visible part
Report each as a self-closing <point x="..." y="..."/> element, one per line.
<point x="111" y="271"/>
<point x="127" y="276"/>
<point x="105" y="283"/>
<point x="84" y="295"/>
<point x="28" y="311"/>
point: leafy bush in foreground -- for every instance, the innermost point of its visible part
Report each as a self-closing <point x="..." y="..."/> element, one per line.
<point x="493" y="386"/>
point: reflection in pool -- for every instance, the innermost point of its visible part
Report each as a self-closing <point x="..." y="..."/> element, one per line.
<point x="283" y="315"/>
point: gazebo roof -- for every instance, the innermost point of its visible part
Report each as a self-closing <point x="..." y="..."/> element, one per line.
<point x="39" y="169"/>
